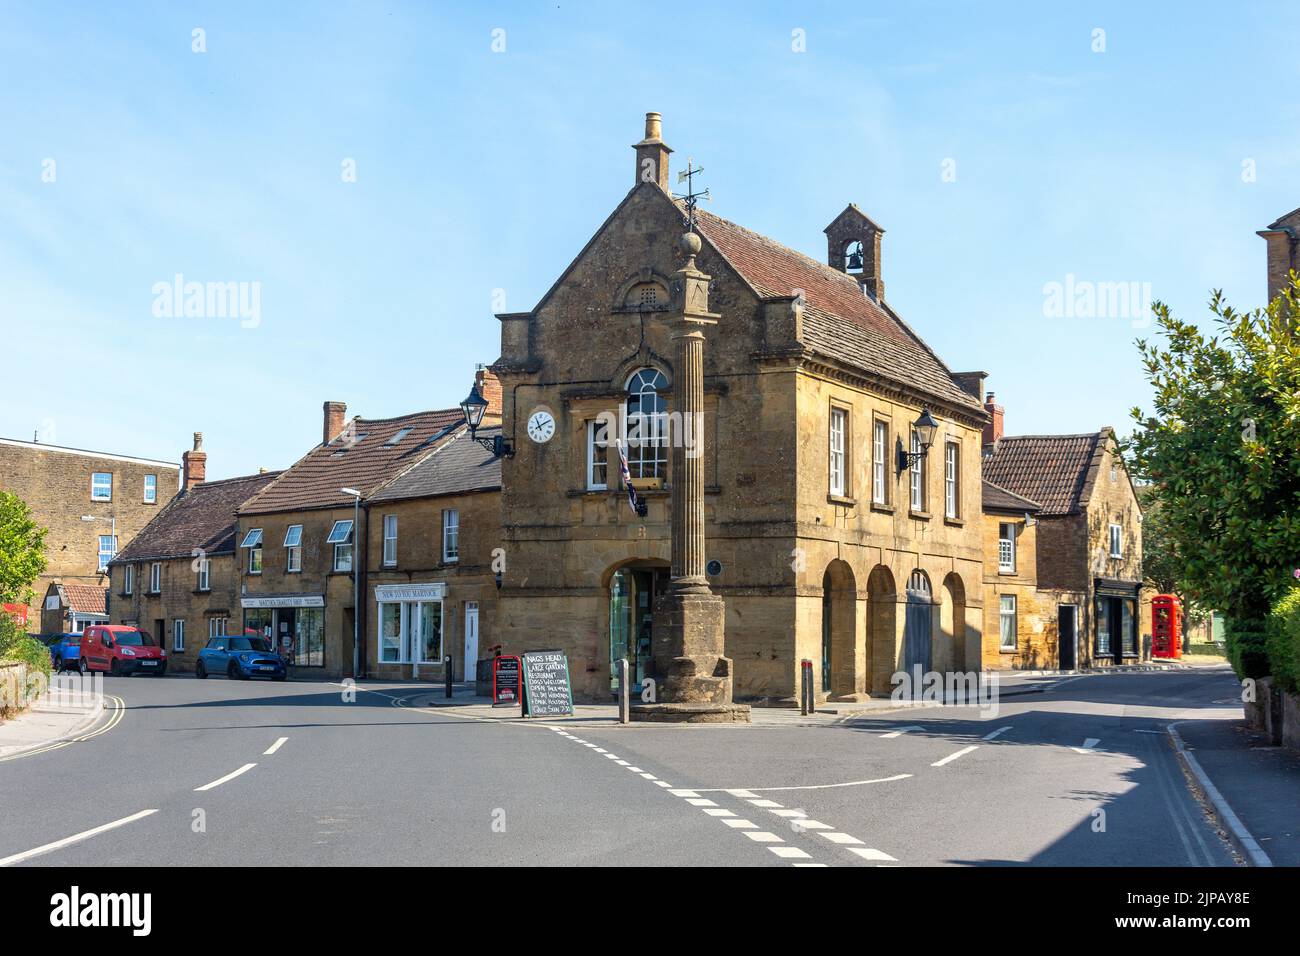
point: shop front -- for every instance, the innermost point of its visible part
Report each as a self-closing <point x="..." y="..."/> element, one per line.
<point x="411" y="625"/>
<point x="1116" y="613"/>
<point x="293" y="623"/>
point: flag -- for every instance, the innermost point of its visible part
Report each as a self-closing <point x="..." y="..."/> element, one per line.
<point x="626" y="474"/>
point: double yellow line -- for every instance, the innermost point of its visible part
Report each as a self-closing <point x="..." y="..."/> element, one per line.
<point x="119" y="711"/>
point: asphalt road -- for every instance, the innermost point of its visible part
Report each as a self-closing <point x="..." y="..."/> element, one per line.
<point x="1080" y="775"/>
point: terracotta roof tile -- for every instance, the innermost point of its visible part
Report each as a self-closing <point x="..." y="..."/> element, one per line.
<point x="203" y="517"/>
<point x="457" y="466"/>
<point x="1051" y="469"/>
<point x="840" y="320"/>
<point x="368" y="454"/>
<point x="85" y="598"/>
<point x="997" y="498"/>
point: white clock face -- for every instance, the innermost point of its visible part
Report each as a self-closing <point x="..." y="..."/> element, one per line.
<point x="541" y="426"/>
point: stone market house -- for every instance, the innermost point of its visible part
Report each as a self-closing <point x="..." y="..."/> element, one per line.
<point x="1086" y="551"/>
<point x="92" y="503"/>
<point x="178" y="579"/>
<point x="429" y="582"/>
<point x="297" y="561"/>
<point x="822" y="546"/>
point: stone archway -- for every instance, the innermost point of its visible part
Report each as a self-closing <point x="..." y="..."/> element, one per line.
<point x="840" y="672"/>
<point x="950" y="640"/>
<point x="882" y="630"/>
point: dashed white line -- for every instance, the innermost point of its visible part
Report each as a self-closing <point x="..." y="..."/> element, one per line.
<point x="762" y="836"/>
<point x="869" y="854"/>
<point x="230" y="776"/>
<point x="274" y="747"/>
<point x="900" y="731"/>
<point x="951" y="757"/>
<point x="997" y="733"/>
<point x="1088" y="746"/>
<point x="75" y="838"/>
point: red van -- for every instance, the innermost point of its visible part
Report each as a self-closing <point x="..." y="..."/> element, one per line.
<point x="120" y="650"/>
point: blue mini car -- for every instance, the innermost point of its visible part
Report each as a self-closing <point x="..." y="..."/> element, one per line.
<point x="240" y="658"/>
<point x="65" y="650"/>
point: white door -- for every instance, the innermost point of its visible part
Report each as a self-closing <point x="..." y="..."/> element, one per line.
<point x="471" y="640"/>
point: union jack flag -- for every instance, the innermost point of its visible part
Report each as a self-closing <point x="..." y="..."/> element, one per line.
<point x="634" y="502"/>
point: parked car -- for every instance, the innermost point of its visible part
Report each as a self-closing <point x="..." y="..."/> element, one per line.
<point x="240" y="658"/>
<point x="121" y="650"/>
<point x="65" y="651"/>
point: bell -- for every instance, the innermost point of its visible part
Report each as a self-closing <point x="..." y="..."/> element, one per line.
<point x="855" y="261"/>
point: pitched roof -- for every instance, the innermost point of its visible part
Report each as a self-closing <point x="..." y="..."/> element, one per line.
<point x="1051" y="469"/>
<point x="840" y="321"/>
<point x="457" y="466"/>
<point x="997" y="498"/>
<point x="368" y="454"/>
<point x="84" y="598"/>
<point x="203" y="517"/>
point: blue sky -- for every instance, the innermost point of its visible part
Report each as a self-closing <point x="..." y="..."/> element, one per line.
<point x="479" y="170"/>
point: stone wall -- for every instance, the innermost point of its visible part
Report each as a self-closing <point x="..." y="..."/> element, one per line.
<point x="179" y="598"/>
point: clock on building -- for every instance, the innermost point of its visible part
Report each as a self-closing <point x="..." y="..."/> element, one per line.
<point x="541" y="426"/>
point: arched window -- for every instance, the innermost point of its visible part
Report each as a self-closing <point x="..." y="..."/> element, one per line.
<point x="854" y="257"/>
<point x="647" y="412"/>
<point x="646" y="297"/>
<point x="918" y="584"/>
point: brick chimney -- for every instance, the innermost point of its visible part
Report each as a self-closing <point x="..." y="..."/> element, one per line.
<point x="652" y="154"/>
<point x="195" y="464"/>
<point x="992" y="429"/>
<point x="489" y="386"/>
<point x="1282" y="237"/>
<point x="336" y="414"/>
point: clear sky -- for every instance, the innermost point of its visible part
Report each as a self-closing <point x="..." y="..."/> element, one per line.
<point x="999" y="149"/>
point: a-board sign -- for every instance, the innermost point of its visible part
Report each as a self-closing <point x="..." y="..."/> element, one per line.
<point x="505" y="680"/>
<point x="546" y="684"/>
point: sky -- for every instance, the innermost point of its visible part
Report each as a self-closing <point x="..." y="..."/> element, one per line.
<point x="380" y="179"/>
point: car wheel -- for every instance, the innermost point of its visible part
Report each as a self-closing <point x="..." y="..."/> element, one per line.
<point x="83" y="667"/>
<point x="200" y="671"/>
<point x="279" y="677"/>
<point x="162" y="671"/>
<point x="114" y="668"/>
<point x="232" y="671"/>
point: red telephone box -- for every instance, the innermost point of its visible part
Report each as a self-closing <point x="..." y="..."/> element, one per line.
<point x="1166" y="626"/>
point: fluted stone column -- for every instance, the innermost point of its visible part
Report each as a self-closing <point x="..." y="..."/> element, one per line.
<point x="688" y="634"/>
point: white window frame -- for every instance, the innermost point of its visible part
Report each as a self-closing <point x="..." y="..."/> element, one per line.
<point x="155" y="578"/>
<point x="341" y="537"/>
<point x="293" y="549"/>
<point x="879" y="466"/>
<point x="597" y="458"/>
<point x="97" y="486"/>
<point x="951" y="479"/>
<point x="128" y="578"/>
<point x="205" y="573"/>
<point x="450" y="535"/>
<point x="390" y="541"/>
<point x="178" y="635"/>
<point x="1116" y="541"/>
<point x="1005" y="612"/>
<point x="916" y="478"/>
<point x="408" y="638"/>
<point x="111" y="552"/>
<point x="838" y="440"/>
<point x="1006" y="547"/>
<point x="217" y="627"/>
<point x="150" y="489"/>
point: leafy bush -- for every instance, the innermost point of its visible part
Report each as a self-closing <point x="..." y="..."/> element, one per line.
<point x="1247" y="647"/>
<point x="1283" y="642"/>
<point x="17" y="645"/>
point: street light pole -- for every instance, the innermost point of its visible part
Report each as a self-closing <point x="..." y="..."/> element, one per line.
<point x="356" y="580"/>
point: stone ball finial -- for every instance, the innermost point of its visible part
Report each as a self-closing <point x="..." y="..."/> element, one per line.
<point x="690" y="245"/>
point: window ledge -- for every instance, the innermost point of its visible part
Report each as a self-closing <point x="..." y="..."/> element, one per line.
<point x="954" y="522"/>
<point x="1009" y="574"/>
<point x="883" y="507"/>
<point x="1008" y="650"/>
<point x="843" y="501"/>
<point x="919" y="515"/>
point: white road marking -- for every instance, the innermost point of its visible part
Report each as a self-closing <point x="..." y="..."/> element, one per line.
<point x="869" y="854"/>
<point x="765" y="803"/>
<point x="718" y="812"/>
<point x="997" y="733"/>
<point x="951" y="757"/>
<point x="900" y="731"/>
<point x="648" y="776"/>
<point x="683" y="793"/>
<point x="739" y="824"/>
<point x="841" y="838"/>
<point x="75" y="838"/>
<point x="230" y="776"/>
<point x="806" y="824"/>
<point x="661" y="783"/>
<point x="754" y="791"/>
<point x="1088" y="746"/>
<point x="700" y="802"/>
<point x="634" y="769"/>
<point x="274" y="747"/>
<point x="789" y="852"/>
<point x="741" y="793"/>
<point x="811" y="864"/>
<point x="762" y="836"/>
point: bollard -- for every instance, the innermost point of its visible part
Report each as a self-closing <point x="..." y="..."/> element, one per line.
<point x="807" y="703"/>
<point x="447" y="674"/>
<point x="624" y="703"/>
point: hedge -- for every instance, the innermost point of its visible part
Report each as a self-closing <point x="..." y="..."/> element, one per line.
<point x="1283" y="642"/>
<point x="1247" y="646"/>
<point x="17" y="645"/>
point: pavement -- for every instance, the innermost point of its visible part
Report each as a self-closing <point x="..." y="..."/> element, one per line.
<point x="223" y="772"/>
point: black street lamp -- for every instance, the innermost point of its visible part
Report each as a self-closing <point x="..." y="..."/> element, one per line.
<point x="925" y="427"/>
<point x="473" y="408"/>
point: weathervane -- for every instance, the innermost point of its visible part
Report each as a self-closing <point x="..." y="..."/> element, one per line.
<point x="691" y="197"/>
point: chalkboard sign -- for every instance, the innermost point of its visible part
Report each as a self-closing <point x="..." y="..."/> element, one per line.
<point x="505" y="680"/>
<point x="546" y="684"/>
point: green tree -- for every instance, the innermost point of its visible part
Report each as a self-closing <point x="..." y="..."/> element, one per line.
<point x="1222" y="451"/>
<point x="22" y="550"/>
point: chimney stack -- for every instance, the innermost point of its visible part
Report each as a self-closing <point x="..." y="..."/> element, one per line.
<point x="652" y="154"/>
<point x="1282" y="239"/>
<point x="335" y="416"/>
<point x="489" y="386"/>
<point x="992" y="429"/>
<point x="195" y="464"/>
